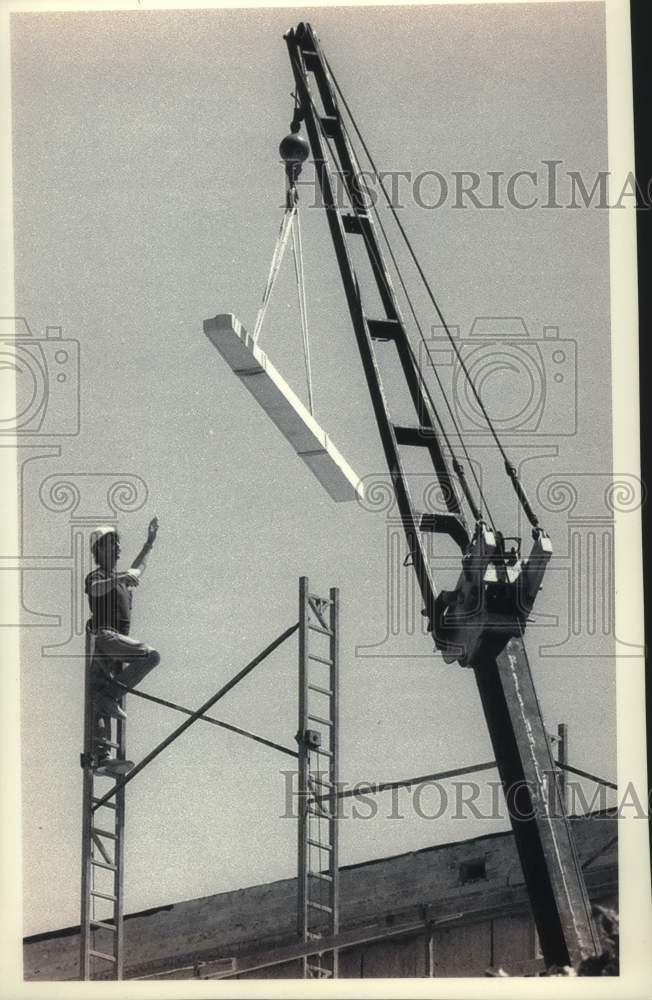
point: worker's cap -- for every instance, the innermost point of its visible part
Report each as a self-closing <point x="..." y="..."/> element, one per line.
<point x="101" y="532"/>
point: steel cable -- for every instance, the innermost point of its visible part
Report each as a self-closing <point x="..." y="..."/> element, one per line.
<point x="456" y="464"/>
<point x="509" y="467"/>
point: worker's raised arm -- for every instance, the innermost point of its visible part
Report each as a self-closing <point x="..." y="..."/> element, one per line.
<point x="139" y="562"/>
<point x="100" y="582"/>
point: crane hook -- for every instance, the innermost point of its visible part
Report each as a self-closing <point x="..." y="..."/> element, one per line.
<point x="294" y="151"/>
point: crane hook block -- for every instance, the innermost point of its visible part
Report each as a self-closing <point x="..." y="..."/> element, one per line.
<point x="294" y="150"/>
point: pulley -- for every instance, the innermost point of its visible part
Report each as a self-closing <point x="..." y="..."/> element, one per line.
<point x="294" y="151"/>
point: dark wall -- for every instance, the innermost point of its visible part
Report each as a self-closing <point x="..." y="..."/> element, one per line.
<point x="387" y="895"/>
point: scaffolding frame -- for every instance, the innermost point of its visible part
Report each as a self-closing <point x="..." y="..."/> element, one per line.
<point x="232" y="966"/>
<point x="103" y="849"/>
<point x="318" y="739"/>
<point x="101" y="938"/>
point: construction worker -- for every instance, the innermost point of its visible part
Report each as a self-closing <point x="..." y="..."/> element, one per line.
<point x="117" y="656"/>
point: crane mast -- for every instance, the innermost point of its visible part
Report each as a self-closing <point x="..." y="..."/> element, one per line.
<point x="480" y="623"/>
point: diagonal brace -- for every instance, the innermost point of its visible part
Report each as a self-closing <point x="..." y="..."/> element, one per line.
<point x="197" y="715"/>
<point x="216" y="722"/>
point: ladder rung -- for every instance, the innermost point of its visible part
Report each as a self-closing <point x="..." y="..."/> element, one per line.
<point x="318" y="628"/>
<point x="320" y="659"/>
<point x="322" y="876"/>
<point x="384" y="329"/>
<point x="319" y="812"/>
<point x="108" y="743"/>
<point x="319" y="781"/>
<point x="417" y="436"/>
<point x="448" y="524"/>
<point x="104" y="926"/>
<point x="104" y="864"/>
<point x="322" y="847"/>
<point x="104" y="833"/>
<point x="318" y="607"/>
<point x="103" y="895"/>
<point x="318" y="718"/>
<point x="310" y="59"/>
<point x="106" y="857"/>
<point x="352" y="224"/>
<point x="321" y="690"/>
<point x="320" y="906"/>
<point x="320" y="600"/>
<point x="102" y="954"/>
<point x="329" y="124"/>
<point x="319" y="972"/>
<point x="325" y="753"/>
<point x="105" y="805"/>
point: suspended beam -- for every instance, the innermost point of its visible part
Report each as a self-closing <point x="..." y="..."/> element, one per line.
<point x="256" y="372"/>
<point x="197" y="715"/>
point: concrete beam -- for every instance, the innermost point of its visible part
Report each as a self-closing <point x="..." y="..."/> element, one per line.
<point x="256" y="372"/>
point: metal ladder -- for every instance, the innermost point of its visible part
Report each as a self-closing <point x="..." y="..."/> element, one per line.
<point x="102" y="881"/>
<point x="318" y="896"/>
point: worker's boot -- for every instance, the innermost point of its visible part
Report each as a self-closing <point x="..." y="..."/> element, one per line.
<point x="105" y="705"/>
<point x="110" y="767"/>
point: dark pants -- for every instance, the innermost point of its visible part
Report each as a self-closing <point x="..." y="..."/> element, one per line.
<point x="117" y="657"/>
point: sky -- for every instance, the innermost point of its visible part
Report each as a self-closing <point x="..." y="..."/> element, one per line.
<point x="148" y="196"/>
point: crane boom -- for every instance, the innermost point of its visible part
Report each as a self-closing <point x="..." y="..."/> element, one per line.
<point x="480" y="624"/>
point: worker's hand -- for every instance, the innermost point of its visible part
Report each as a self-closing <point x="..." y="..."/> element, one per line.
<point x="152" y="531"/>
<point x="132" y="577"/>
